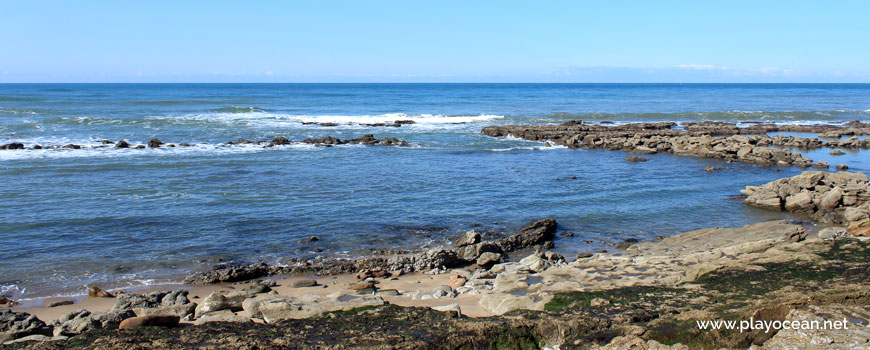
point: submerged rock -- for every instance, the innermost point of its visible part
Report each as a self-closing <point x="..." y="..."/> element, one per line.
<point x="154" y="143"/>
<point x="12" y="146"/>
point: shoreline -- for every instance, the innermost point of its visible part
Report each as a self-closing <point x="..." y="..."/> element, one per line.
<point x="647" y="292"/>
<point x="536" y="283"/>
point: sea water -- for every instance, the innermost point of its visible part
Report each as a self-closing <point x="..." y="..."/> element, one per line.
<point x="127" y="217"/>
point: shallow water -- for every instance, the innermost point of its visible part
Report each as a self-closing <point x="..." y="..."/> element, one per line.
<point x="132" y="217"/>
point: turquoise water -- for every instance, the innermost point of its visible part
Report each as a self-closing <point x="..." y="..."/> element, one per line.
<point x="131" y="217"/>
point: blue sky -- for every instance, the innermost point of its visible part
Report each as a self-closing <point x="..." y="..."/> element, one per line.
<point x="443" y="41"/>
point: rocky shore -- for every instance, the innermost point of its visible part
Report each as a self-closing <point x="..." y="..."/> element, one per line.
<point x="327" y="141"/>
<point x="841" y="198"/>
<point x="470" y="249"/>
<point x="474" y="295"/>
<point x="718" y="140"/>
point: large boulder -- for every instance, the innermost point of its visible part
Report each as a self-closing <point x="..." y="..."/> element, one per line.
<point x="156" y="303"/>
<point x="470" y="253"/>
<point x="799" y="202"/>
<point x="14" y="325"/>
<point x="486" y="260"/>
<point x="77" y="322"/>
<point x="538" y="232"/>
<point x="469" y="238"/>
<point x="831" y="199"/>
<point x="221" y="300"/>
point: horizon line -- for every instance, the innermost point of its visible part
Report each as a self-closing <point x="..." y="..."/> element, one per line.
<point x="434" y="82"/>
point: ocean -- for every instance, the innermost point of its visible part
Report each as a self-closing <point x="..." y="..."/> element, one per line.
<point x="133" y="217"/>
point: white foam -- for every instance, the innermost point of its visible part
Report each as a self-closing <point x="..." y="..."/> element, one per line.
<point x="273" y="120"/>
<point x="94" y="149"/>
<point x="530" y="148"/>
<point x="12" y="290"/>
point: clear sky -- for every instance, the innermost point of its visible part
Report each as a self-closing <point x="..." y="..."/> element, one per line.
<point x="434" y="41"/>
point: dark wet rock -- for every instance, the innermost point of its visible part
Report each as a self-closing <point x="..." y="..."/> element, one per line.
<point x="328" y="140"/>
<point x="14" y="325"/>
<point x="538" y="232"/>
<point x="97" y="292"/>
<point x="72" y="146"/>
<point x="392" y="141"/>
<point x="80" y="321"/>
<point x="156" y="303"/>
<point x="279" y="141"/>
<point x="122" y="144"/>
<point x="6" y="302"/>
<point x="37" y="147"/>
<point x="150" y="321"/>
<point x="842" y="167"/>
<point x="368" y="139"/>
<point x="12" y="146"/>
<point x="330" y="124"/>
<point x="184" y="144"/>
<point x="154" y="143"/>
<point x="107" y="142"/>
<point x="634" y="159"/>
<point x="230" y="273"/>
<point x="140" y="147"/>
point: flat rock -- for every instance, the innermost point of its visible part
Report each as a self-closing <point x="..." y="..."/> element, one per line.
<point x="273" y="308"/>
